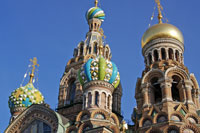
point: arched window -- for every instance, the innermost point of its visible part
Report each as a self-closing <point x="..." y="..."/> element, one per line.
<point x="72" y="90"/>
<point x="90" y="50"/>
<point x="81" y="49"/>
<point x="155" y="53"/>
<point x="103" y="100"/>
<point x="177" y="55"/>
<point x="96" y="98"/>
<point x="175" y="90"/>
<point x="89" y="98"/>
<point x="157" y="90"/>
<point x="150" y="59"/>
<point x="95" y="48"/>
<point x="38" y="127"/>
<point x="171" y="54"/>
<point x="109" y="99"/>
<point x="163" y="53"/>
<point x="91" y="26"/>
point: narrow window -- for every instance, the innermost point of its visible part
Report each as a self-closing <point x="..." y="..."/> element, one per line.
<point x="89" y="99"/>
<point x="177" y="55"/>
<point x="163" y="53"/>
<point x="96" y="98"/>
<point x="150" y="59"/>
<point x="155" y="55"/>
<point x="95" y="48"/>
<point x="72" y="88"/>
<point x="171" y="54"/>
<point x="81" y="49"/>
<point x="175" y="89"/>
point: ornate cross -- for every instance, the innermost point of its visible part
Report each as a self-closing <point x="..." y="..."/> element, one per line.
<point x="34" y="61"/>
<point x="160" y="8"/>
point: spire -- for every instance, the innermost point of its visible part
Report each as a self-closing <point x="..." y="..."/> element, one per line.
<point x="96" y="3"/>
<point x="160" y="8"/>
<point x="34" y="61"/>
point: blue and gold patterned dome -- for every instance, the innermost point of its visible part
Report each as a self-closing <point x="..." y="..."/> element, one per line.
<point x="25" y="96"/>
<point x="99" y="69"/>
<point x="95" y="12"/>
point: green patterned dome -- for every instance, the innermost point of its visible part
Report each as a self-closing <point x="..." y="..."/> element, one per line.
<point x="95" y="12"/>
<point x="25" y="97"/>
<point x="99" y="69"/>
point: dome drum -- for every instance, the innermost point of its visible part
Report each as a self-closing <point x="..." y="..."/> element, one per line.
<point x="163" y="42"/>
<point x="98" y="84"/>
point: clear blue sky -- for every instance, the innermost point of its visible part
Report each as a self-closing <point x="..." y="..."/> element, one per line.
<point x="51" y="29"/>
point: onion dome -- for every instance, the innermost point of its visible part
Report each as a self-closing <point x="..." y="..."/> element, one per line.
<point x="99" y="69"/>
<point x="25" y="96"/>
<point x="95" y="12"/>
<point x="162" y="30"/>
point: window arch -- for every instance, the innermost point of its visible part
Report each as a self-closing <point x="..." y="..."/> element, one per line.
<point x="150" y="59"/>
<point x="81" y="49"/>
<point x="97" y="98"/>
<point x="171" y="54"/>
<point x="95" y="48"/>
<point x="155" y="54"/>
<point x="175" y="89"/>
<point x="163" y="53"/>
<point x="177" y="55"/>
<point x="72" y="90"/>
<point x="89" y="99"/>
<point x="38" y="127"/>
<point x="157" y="90"/>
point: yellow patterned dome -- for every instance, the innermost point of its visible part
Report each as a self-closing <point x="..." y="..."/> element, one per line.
<point x="162" y="30"/>
<point x="25" y="96"/>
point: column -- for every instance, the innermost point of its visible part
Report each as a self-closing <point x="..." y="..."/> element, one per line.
<point x="93" y="99"/>
<point x="159" y="55"/>
<point x="166" y="85"/>
<point x="167" y="54"/>
<point x="106" y="101"/>
<point x="152" y="57"/>
<point x="188" y="89"/>
<point x="111" y="102"/>
<point x="145" y="92"/>
<point x="182" y="92"/>
<point x="86" y="102"/>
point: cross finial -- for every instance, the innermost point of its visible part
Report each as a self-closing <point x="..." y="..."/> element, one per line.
<point x="96" y="3"/>
<point x="34" y="64"/>
<point x="160" y="8"/>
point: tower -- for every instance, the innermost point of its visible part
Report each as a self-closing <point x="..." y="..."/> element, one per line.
<point x="167" y="95"/>
<point x="70" y="99"/>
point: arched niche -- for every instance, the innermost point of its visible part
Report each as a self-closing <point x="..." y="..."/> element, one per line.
<point x="157" y="91"/>
<point x="174" y="89"/>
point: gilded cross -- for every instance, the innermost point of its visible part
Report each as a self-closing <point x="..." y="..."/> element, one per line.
<point x="160" y="8"/>
<point x="34" y="64"/>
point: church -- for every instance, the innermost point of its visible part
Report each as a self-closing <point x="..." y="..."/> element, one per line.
<point x="90" y="91"/>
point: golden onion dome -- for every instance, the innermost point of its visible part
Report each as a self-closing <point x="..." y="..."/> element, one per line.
<point x="162" y="30"/>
